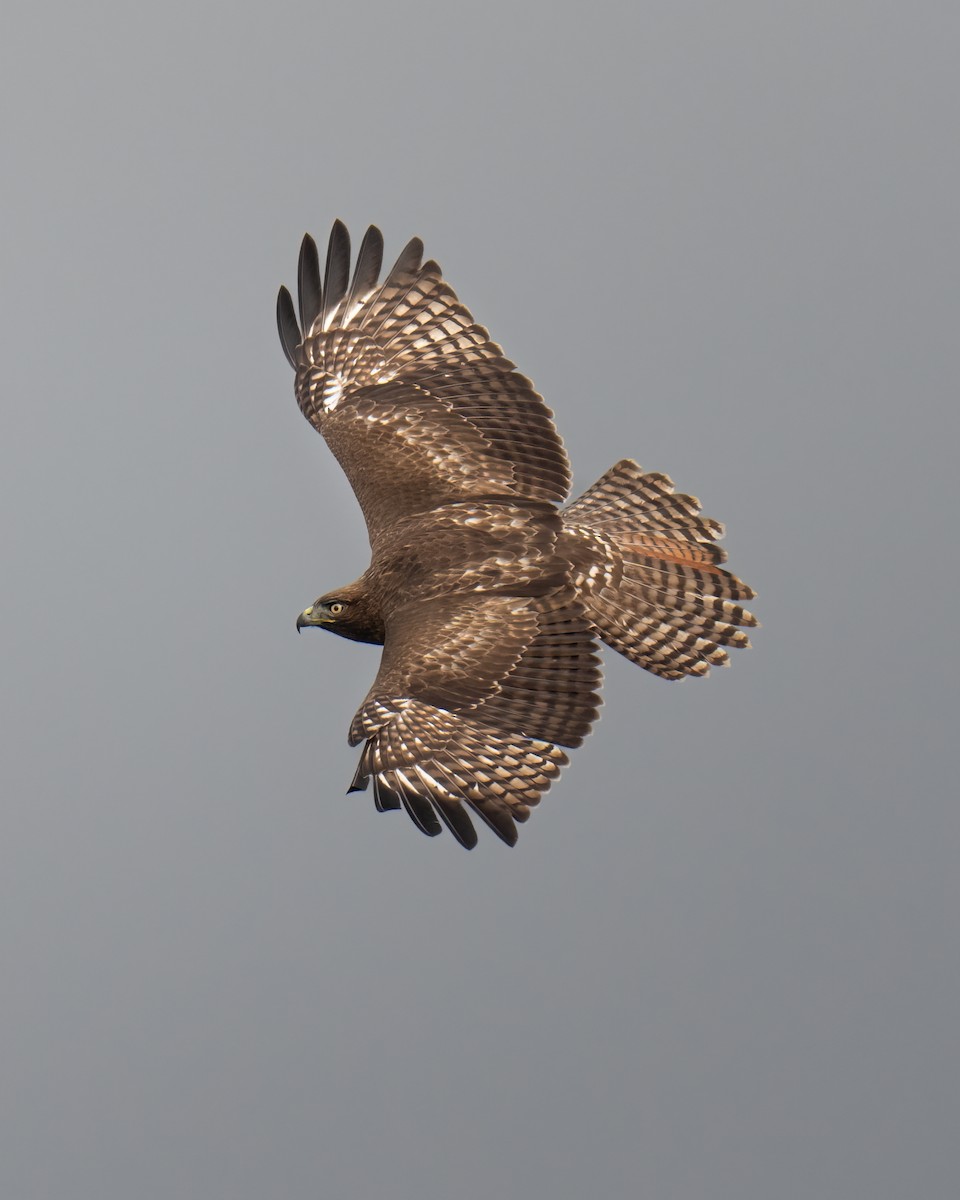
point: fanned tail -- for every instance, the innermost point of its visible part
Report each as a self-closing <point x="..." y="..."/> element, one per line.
<point x="649" y="575"/>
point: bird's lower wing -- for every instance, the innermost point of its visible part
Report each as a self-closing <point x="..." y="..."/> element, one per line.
<point x="474" y="699"/>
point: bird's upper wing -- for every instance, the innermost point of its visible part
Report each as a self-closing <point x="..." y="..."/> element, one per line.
<point x="474" y="698"/>
<point x="414" y="399"/>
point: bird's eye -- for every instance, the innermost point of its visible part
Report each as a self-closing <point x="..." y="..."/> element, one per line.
<point x="336" y="608"/>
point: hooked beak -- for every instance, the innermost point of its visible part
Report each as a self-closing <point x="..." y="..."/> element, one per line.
<point x="306" y="619"/>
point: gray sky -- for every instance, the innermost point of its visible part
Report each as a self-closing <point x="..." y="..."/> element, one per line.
<point x="722" y="960"/>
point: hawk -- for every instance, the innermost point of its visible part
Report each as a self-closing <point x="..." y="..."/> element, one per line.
<point x="488" y="597"/>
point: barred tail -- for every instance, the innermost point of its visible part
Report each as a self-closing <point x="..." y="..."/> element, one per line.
<point x="649" y="574"/>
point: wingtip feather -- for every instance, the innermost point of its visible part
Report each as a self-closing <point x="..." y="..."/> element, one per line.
<point x="410" y="258"/>
<point x="455" y="818"/>
<point x="336" y="272"/>
<point x="287" y="326"/>
<point x="367" y="271"/>
<point x="308" y="283"/>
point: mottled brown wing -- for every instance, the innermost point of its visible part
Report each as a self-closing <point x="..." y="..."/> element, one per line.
<point x="474" y="698"/>
<point x="417" y="403"/>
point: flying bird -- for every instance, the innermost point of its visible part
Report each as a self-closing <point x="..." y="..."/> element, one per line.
<point x="488" y="596"/>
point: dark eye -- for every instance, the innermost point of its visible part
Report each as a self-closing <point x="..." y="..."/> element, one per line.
<point x="336" y="608"/>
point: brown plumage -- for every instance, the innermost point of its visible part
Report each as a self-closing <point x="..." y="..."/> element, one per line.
<point x="487" y="597"/>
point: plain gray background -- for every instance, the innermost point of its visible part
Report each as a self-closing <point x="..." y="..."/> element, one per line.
<point x="722" y="960"/>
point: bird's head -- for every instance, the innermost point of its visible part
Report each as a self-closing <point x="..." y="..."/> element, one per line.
<point x="349" y="612"/>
